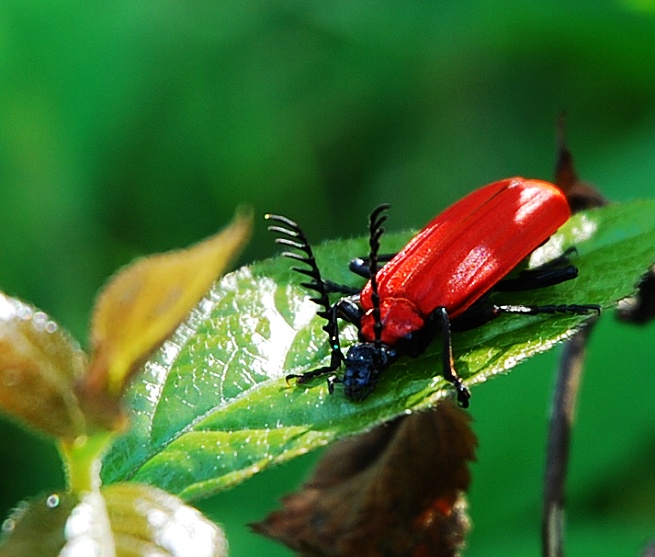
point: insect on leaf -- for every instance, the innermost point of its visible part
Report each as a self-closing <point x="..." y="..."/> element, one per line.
<point x="213" y="407"/>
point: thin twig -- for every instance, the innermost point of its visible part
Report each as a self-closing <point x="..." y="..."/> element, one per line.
<point x="559" y="437"/>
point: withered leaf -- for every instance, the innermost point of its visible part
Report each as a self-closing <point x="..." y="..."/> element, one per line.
<point x="640" y="308"/>
<point x="142" y="305"/>
<point x="579" y="194"/>
<point x="39" y="367"/>
<point x="395" y="491"/>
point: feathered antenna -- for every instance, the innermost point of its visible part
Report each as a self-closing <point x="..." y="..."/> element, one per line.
<point x="294" y="237"/>
<point x="376" y="220"/>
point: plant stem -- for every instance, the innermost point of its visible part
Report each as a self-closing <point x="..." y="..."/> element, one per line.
<point x="82" y="460"/>
<point x="559" y="438"/>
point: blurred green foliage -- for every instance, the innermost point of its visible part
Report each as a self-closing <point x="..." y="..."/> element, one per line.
<point x="138" y="125"/>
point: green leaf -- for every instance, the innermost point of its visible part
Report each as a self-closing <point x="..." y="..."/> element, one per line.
<point x="212" y="407"/>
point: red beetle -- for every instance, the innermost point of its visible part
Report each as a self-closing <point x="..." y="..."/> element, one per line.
<point x="440" y="280"/>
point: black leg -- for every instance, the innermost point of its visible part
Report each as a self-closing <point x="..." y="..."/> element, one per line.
<point x="449" y="373"/>
<point x="335" y="287"/>
<point x="349" y="311"/>
<point x="361" y="265"/>
<point x="331" y="382"/>
<point x="309" y="375"/>
<point x="550" y="273"/>
<point x="532" y="279"/>
<point x="574" y="309"/>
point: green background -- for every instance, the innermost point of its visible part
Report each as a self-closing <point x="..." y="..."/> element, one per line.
<point x="129" y="127"/>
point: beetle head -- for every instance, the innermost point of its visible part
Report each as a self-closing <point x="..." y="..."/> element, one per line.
<point x="364" y="363"/>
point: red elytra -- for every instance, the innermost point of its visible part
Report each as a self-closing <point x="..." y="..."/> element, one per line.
<point x="462" y="253"/>
<point x="442" y="278"/>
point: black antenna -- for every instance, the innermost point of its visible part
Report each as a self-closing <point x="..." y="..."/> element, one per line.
<point x="376" y="220"/>
<point x="294" y="237"/>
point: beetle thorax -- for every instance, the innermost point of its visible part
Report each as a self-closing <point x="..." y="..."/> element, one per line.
<point x="399" y="318"/>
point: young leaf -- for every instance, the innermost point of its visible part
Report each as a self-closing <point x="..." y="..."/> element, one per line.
<point x="58" y="524"/>
<point x="141" y="306"/>
<point x="147" y="521"/>
<point x="36" y="526"/>
<point x="213" y="406"/>
<point x="122" y="520"/>
<point x="39" y="367"/>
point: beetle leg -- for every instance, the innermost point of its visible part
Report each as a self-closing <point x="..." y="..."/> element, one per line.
<point x="335" y="361"/>
<point x="480" y="314"/>
<point x="361" y="266"/>
<point x="331" y="286"/>
<point x="331" y="381"/>
<point x="531" y="279"/>
<point x="309" y="375"/>
<point x="348" y="310"/>
<point x="559" y="261"/>
<point x="574" y="309"/>
<point x="449" y="373"/>
<point x="550" y="273"/>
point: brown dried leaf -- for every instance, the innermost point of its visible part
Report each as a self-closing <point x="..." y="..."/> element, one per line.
<point x="39" y="367"/>
<point x="640" y="308"/>
<point x="580" y="195"/>
<point x="142" y="305"/>
<point x="395" y="491"/>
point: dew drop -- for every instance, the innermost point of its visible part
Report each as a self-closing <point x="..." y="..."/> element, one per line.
<point x="80" y="440"/>
<point x="24" y="312"/>
<point x="7" y="309"/>
<point x="12" y="521"/>
<point x="52" y="501"/>
<point x="39" y="321"/>
<point x="156" y="518"/>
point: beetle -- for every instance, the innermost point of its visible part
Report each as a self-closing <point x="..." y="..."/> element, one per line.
<point x="439" y="282"/>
